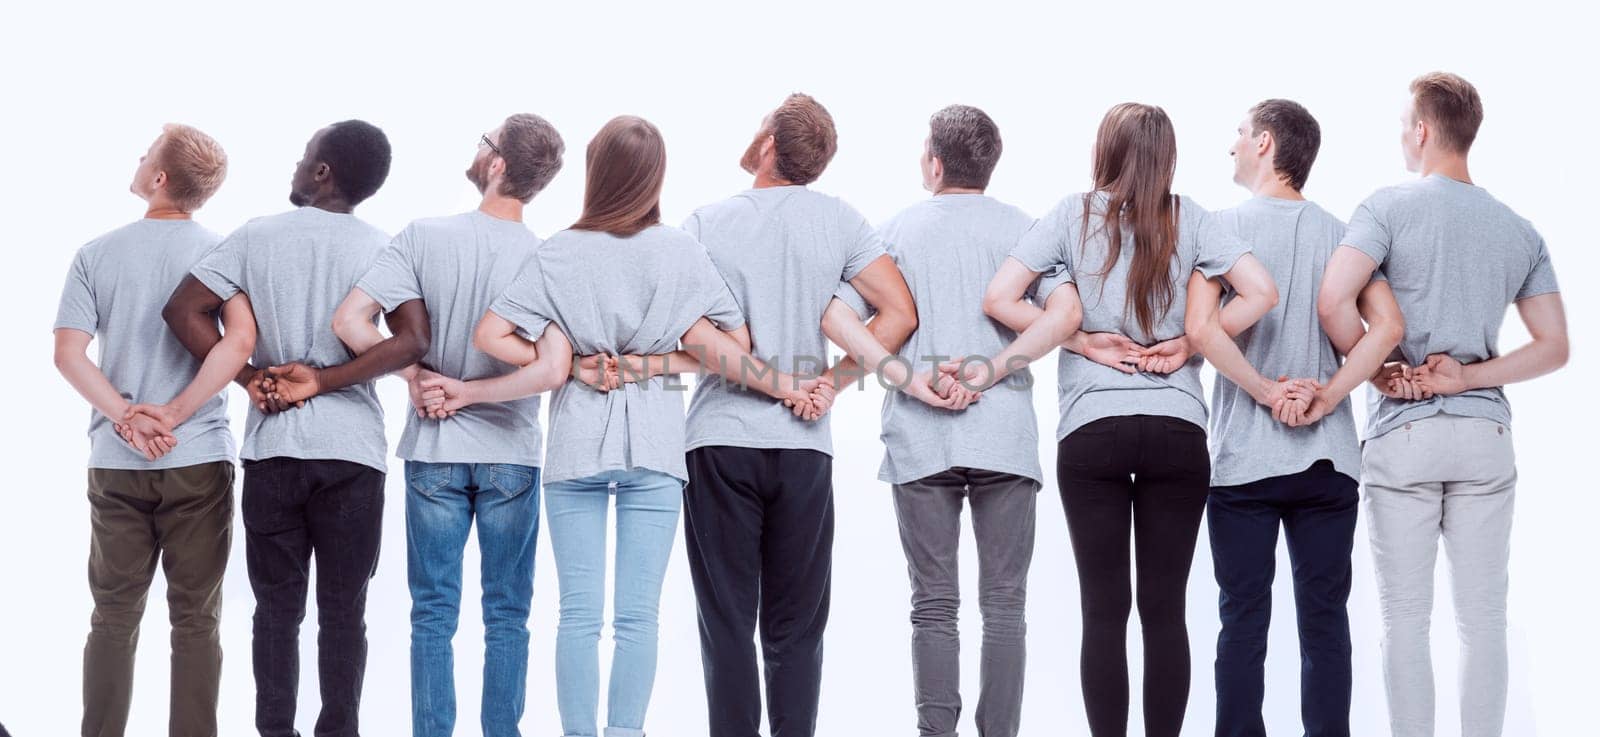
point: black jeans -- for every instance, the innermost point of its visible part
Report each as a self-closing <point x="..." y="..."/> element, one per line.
<point x="1317" y="508"/>
<point x="759" y="529"/>
<point x="295" y="509"/>
<point x="1149" y="474"/>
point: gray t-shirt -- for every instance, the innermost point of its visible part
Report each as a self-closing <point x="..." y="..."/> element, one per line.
<point x="457" y="265"/>
<point x="1294" y="239"/>
<point x="635" y="295"/>
<point x="1091" y="391"/>
<point x="1455" y="257"/>
<point x="115" y="291"/>
<point x="783" y="252"/>
<point x="297" y="267"/>
<point x="949" y="248"/>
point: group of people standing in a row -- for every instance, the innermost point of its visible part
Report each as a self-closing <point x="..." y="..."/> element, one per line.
<point x="948" y="302"/>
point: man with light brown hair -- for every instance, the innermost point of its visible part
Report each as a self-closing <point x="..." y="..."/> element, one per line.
<point x="759" y="504"/>
<point x="1437" y="461"/>
<point x="160" y="475"/>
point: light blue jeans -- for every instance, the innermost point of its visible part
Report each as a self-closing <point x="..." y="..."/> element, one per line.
<point x="647" y="522"/>
<point x="441" y="501"/>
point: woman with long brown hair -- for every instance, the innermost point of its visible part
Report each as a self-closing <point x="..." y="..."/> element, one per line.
<point x="617" y="282"/>
<point x="1131" y="441"/>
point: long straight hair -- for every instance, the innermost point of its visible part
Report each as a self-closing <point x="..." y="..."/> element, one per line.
<point x="627" y="162"/>
<point x="1135" y="156"/>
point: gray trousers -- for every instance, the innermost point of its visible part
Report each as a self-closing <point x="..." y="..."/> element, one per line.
<point x="929" y="511"/>
<point x="1453" y="478"/>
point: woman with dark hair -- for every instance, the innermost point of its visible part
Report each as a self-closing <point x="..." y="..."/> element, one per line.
<point x="617" y="282"/>
<point x="1132" y="441"/>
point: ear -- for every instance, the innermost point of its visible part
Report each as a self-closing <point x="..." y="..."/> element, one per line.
<point x="322" y="172"/>
<point x="1264" y="143"/>
<point x="1420" y="132"/>
<point x="769" y="144"/>
<point x="160" y="180"/>
<point x="937" y="168"/>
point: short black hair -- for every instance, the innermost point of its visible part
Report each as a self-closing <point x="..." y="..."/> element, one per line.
<point x="967" y="141"/>
<point x="358" y="153"/>
<point x="1295" y="134"/>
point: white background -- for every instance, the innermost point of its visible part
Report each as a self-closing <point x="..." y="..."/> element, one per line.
<point x="87" y="88"/>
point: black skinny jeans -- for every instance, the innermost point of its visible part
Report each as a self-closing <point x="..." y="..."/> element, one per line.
<point x="1149" y="474"/>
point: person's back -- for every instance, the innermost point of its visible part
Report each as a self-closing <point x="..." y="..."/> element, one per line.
<point x="296" y="267"/>
<point x="160" y="480"/>
<point x="1293" y="239"/>
<point x="1089" y="390"/>
<point x="948" y="247"/>
<point x="782" y="251"/>
<point x="611" y="295"/>
<point x="119" y="283"/>
<point x="1456" y="258"/>
<point x="459" y="264"/>
<point x="1438" y="460"/>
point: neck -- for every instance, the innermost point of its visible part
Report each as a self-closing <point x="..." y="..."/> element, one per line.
<point x="332" y="204"/>
<point x="1452" y="165"/>
<point x="1269" y="184"/>
<point x="942" y="189"/>
<point x="766" y="179"/>
<point x="502" y="208"/>
<point x="165" y="211"/>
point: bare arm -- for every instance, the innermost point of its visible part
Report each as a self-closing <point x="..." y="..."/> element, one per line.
<point x="1546" y="319"/>
<point x="224" y="363"/>
<point x="1063" y="314"/>
<point x="1203" y="323"/>
<point x="547" y="372"/>
<point x="720" y="354"/>
<point x="1347" y="273"/>
<point x="353" y="323"/>
<point x="1385" y="327"/>
<point x="498" y="337"/>
<point x="191" y="315"/>
<point x="72" y="360"/>
<point x="297" y="382"/>
<point x="1005" y="299"/>
<point x="883" y="286"/>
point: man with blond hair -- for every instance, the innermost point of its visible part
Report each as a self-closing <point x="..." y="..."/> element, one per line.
<point x="160" y="475"/>
<point x="1437" y="461"/>
<point x="758" y="510"/>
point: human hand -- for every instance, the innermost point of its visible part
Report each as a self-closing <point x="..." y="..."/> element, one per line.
<point x="1440" y="374"/>
<point x="259" y="387"/>
<point x="1394" y="380"/>
<point x="599" y="372"/>
<point x="940" y="389"/>
<point x="294" y="383"/>
<point x="797" y="396"/>
<point x="1112" y="349"/>
<point x="1320" y="406"/>
<point x="1165" y="357"/>
<point x="147" y="435"/>
<point x="424" y="400"/>
<point x="444" y="396"/>
<point x="972" y="376"/>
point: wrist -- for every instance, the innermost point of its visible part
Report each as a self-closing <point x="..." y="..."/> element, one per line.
<point x="1471" y="378"/>
<point x="1261" y="390"/>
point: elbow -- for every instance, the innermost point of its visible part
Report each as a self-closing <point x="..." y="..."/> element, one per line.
<point x="63" y="360"/>
<point x="1559" y="352"/>
<point x="993" y="305"/>
<point x="1390" y="333"/>
<point x="173" y="316"/>
<point x="416" y="346"/>
<point x="1329" y="307"/>
<point x="1269" y="298"/>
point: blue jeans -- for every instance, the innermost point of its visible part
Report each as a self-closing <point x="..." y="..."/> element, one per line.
<point x="647" y="521"/>
<point x="441" y="500"/>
